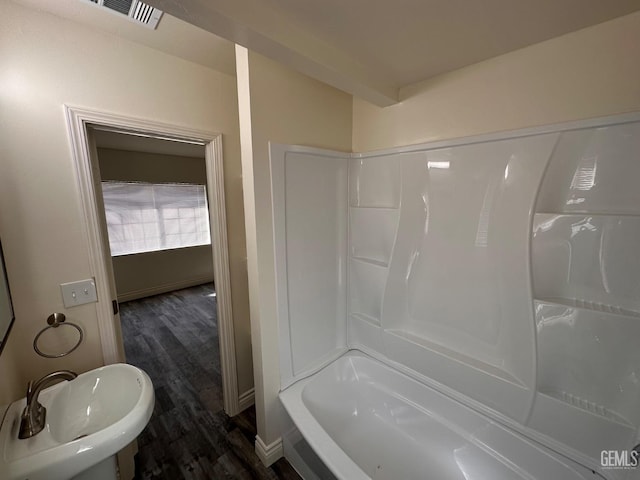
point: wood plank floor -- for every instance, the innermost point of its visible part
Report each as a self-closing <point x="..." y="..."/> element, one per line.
<point x="174" y="338"/>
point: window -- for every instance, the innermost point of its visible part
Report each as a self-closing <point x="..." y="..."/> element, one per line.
<point x="146" y="217"/>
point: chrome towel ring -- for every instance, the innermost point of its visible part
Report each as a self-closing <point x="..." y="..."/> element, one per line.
<point x="56" y="320"/>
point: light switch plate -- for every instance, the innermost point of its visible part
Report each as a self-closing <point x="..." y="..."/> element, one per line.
<point x="78" y="293"/>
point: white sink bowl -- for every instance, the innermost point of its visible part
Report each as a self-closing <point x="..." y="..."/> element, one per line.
<point x="89" y="419"/>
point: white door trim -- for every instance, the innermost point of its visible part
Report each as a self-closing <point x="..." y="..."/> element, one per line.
<point x="78" y="120"/>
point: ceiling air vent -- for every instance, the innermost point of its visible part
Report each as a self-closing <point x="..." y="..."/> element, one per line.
<point x="135" y="10"/>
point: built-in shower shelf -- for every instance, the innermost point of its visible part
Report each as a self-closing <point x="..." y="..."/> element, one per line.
<point x="575" y="213"/>
<point x="374" y="207"/>
<point x="587" y="305"/>
<point x="366" y="318"/>
<point x="458" y="357"/>
<point x="372" y="261"/>
<point x="588" y="406"/>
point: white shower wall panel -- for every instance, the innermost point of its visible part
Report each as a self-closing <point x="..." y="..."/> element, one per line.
<point x="373" y="231"/>
<point x="375" y="182"/>
<point x="588" y="259"/>
<point x="366" y="285"/>
<point x="310" y="190"/>
<point x="589" y="359"/>
<point x="594" y="170"/>
<point x="460" y="274"/>
<point x="457" y="304"/>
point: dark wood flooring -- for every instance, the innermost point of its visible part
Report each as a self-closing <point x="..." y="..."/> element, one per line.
<point x="174" y="338"/>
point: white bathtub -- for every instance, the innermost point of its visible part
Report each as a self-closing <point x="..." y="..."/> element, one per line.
<point x="365" y="420"/>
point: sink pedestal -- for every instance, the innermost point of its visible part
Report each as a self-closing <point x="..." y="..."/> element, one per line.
<point x="105" y="470"/>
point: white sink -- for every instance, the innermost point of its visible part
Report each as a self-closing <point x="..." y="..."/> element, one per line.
<point x="89" y="420"/>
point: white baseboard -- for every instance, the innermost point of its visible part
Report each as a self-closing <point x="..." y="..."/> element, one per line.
<point x="268" y="454"/>
<point x="246" y="399"/>
<point x="158" y="289"/>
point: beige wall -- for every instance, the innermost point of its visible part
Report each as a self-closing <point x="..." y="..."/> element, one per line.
<point x="588" y="73"/>
<point x="12" y="386"/>
<point x="282" y="106"/>
<point x="46" y="62"/>
<point x="151" y="273"/>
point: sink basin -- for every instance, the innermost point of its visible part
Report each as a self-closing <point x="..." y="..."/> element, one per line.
<point x="89" y="420"/>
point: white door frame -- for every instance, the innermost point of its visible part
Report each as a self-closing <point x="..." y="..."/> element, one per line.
<point x="78" y="121"/>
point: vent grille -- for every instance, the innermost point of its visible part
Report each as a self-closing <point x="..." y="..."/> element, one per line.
<point x="142" y="12"/>
<point x="122" y="6"/>
<point x="135" y="10"/>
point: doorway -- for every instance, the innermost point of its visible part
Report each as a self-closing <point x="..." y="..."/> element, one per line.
<point x="82" y="126"/>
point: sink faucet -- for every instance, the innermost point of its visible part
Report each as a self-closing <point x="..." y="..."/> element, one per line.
<point x="34" y="414"/>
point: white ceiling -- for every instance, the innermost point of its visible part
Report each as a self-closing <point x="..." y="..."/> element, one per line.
<point x="372" y="47"/>
<point x="173" y="36"/>
<point x="369" y="48"/>
<point x="411" y="40"/>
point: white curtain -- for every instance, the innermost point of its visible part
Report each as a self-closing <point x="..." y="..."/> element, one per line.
<point x="144" y="217"/>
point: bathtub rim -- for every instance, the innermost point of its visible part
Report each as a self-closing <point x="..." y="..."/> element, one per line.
<point x="340" y="464"/>
<point x="547" y="442"/>
<point x="334" y="458"/>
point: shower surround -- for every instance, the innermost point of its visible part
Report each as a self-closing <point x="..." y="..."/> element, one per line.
<point x="462" y="309"/>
